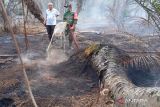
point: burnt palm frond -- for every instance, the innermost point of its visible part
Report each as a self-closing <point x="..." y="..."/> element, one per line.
<point x="142" y="61"/>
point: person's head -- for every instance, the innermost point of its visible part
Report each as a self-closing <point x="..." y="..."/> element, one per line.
<point x="50" y="6"/>
<point x="70" y="7"/>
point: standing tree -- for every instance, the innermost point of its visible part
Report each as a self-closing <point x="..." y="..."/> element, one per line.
<point x="5" y="23"/>
<point x="152" y="7"/>
<point x="34" y="9"/>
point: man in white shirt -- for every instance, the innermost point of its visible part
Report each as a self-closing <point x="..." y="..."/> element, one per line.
<point x="50" y="19"/>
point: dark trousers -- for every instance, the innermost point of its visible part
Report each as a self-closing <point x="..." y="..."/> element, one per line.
<point x="50" y="30"/>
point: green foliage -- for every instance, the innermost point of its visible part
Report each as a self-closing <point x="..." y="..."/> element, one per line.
<point x="152" y="7"/>
<point x="156" y="5"/>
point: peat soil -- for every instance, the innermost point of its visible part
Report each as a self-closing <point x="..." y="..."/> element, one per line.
<point x="67" y="83"/>
<point x="58" y="84"/>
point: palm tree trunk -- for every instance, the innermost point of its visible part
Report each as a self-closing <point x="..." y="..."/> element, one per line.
<point x="113" y="76"/>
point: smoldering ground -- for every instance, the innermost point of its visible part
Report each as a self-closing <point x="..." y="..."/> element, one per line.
<point x="58" y="75"/>
<point x="44" y="66"/>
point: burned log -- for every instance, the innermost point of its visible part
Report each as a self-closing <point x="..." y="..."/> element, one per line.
<point x="113" y="76"/>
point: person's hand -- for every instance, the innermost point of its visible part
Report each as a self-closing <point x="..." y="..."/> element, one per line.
<point x="72" y="27"/>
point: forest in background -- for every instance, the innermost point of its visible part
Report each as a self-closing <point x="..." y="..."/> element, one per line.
<point x="31" y="10"/>
<point x="120" y="58"/>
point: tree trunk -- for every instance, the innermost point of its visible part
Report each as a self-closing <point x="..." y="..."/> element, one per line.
<point x="34" y="9"/>
<point x="113" y="76"/>
<point x="5" y="23"/>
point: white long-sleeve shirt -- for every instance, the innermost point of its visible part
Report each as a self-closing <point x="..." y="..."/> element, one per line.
<point x="51" y="16"/>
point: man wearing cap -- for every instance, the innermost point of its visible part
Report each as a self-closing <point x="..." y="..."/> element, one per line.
<point x="50" y="19"/>
<point x="71" y="19"/>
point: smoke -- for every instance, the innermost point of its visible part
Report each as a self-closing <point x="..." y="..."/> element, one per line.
<point x="42" y="68"/>
<point x="56" y="56"/>
<point x="122" y="15"/>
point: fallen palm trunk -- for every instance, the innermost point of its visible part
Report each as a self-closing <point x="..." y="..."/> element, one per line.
<point x="113" y="76"/>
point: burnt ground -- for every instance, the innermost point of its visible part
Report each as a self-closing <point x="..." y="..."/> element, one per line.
<point x="64" y="84"/>
<point x="61" y="84"/>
